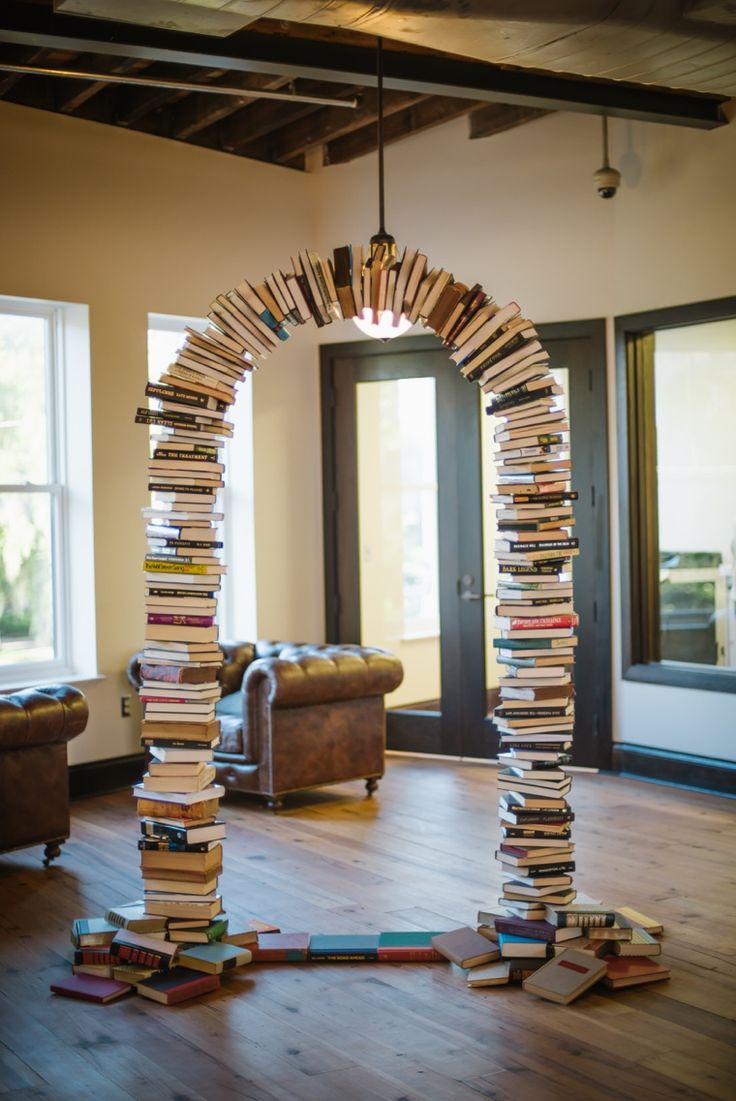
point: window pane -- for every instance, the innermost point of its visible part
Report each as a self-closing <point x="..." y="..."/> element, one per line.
<point x="695" y="399"/>
<point x="397" y="503"/>
<point x="23" y="399"/>
<point x="26" y="590"/>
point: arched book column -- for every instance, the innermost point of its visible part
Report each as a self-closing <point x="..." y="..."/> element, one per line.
<point x="492" y="345"/>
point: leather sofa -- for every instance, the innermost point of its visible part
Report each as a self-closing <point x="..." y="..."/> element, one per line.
<point x="296" y="716"/>
<point x="35" y="726"/>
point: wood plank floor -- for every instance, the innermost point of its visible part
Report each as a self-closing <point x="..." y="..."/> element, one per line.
<point x="418" y="855"/>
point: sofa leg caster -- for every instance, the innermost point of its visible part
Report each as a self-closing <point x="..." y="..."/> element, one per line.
<point x="371" y="785"/>
<point x="52" y="849"/>
<point x="275" y="804"/>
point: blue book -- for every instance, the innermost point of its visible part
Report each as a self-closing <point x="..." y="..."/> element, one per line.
<point x="512" y="947"/>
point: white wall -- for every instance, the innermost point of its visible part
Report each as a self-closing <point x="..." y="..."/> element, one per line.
<point x="130" y="224"/>
<point x="519" y="213"/>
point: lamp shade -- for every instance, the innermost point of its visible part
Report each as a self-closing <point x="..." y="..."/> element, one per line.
<point x="386" y="328"/>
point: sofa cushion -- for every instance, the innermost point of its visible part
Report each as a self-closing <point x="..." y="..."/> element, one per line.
<point x="230" y="713"/>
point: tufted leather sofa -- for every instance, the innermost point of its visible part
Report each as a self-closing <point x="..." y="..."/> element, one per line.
<point x="35" y="726"/>
<point x="296" y="716"/>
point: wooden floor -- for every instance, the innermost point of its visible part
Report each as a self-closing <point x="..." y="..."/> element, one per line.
<point x="419" y="855"/>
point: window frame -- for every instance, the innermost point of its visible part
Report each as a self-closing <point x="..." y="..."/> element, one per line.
<point x="62" y="666"/>
<point x="638" y="503"/>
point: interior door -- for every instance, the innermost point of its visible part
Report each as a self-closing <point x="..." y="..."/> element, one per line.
<point x="409" y="531"/>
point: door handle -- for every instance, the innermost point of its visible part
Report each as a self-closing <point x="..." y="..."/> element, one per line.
<point x="465" y="592"/>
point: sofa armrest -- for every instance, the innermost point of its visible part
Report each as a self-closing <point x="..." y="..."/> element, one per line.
<point x="40" y="716"/>
<point x="304" y="675"/>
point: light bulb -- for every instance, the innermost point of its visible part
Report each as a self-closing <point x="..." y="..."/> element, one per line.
<point x="385" y="328"/>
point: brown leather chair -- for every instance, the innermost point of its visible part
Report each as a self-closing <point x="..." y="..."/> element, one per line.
<point x="296" y="716"/>
<point x="35" y="726"/>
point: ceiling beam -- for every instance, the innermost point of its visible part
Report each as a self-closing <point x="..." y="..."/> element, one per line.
<point x="424" y="73"/>
<point x="316" y="129"/>
<point x="422" y="116"/>
<point x="79" y="92"/>
<point x="494" y="118"/>
<point x="246" y="127"/>
<point x="197" y="112"/>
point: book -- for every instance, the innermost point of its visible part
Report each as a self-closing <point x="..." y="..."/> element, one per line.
<point x="650" y="925"/>
<point x="346" y="947"/>
<point x="408" y="946"/>
<point x="583" y="917"/>
<point x="512" y="945"/>
<point x="566" y="977"/>
<point x="214" y="931"/>
<point x="539" y="930"/>
<point x="465" y="947"/>
<point x="245" y="938"/>
<point x="281" y="948"/>
<point x="91" y="988"/>
<point x="490" y="974"/>
<point x="142" y="948"/>
<point x="177" y="985"/>
<point x="621" y="971"/>
<point x="92" y="932"/>
<point x="214" y="958"/>
<point x="183" y="834"/>
<point x="641" y="944"/>
<point x="132" y="916"/>
<point x="178" y="907"/>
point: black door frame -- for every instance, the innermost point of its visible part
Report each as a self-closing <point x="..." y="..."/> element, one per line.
<point x="592" y="571"/>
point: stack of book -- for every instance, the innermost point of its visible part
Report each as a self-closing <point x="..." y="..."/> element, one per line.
<point x="560" y="955"/>
<point x="534" y="612"/>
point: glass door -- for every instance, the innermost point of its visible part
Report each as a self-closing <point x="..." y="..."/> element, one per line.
<point x="404" y="528"/>
<point x="409" y="533"/>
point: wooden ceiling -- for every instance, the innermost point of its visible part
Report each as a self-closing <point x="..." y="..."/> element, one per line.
<point x="424" y="88"/>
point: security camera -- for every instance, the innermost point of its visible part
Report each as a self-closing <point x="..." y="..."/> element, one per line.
<point x="607" y="181"/>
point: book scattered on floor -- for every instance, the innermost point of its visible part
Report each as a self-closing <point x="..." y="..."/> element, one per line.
<point x="566" y="977"/>
<point x="180" y="984"/>
<point x="408" y="947"/>
<point x="281" y="948"/>
<point x="214" y="958"/>
<point x="641" y="944"/>
<point x="262" y="926"/>
<point x="650" y="925"/>
<point x="465" y="947"/>
<point x="92" y="932"/>
<point x="632" y="971"/>
<point x="490" y="974"/>
<point x="245" y="938"/>
<point x="355" y="947"/>
<point x="90" y="988"/>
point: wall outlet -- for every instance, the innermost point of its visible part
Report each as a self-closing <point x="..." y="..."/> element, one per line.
<point x="125" y="707"/>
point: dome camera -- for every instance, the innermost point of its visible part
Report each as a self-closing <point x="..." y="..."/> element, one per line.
<point x="607" y="181"/>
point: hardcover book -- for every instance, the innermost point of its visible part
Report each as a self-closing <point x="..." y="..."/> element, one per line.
<point x="90" y="988"/>
<point x="177" y="985"/>
<point x="566" y="977"/>
<point x="465" y="947"/>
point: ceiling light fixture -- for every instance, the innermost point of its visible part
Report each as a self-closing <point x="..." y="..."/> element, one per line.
<point x="384" y="325"/>
<point x="607" y="180"/>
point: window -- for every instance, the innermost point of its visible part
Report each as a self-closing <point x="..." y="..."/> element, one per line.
<point x="680" y="385"/>
<point x="236" y="611"/>
<point x="45" y="493"/>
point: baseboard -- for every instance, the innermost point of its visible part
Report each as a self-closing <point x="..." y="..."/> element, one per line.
<point x="683" y="769"/>
<point x="100" y="777"/>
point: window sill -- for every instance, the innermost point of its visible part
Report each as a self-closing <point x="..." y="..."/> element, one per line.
<point x="708" y="678"/>
<point x="18" y="684"/>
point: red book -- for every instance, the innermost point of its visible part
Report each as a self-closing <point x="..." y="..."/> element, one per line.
<point x="524" y="623"/>
<point x="410" y="955"/>
<point x="181" y="620"/>
<point x="633" y="970"/>
<point x="90" y="988"/>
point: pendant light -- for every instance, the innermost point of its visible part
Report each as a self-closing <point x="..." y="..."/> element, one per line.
<point x="385" y="326"/>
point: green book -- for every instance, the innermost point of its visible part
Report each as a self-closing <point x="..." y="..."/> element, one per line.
<point x="214" y="958"/>
<point x="92" y="932"/>
<point x="352" y="946"/>
<point x="529" y="643"/>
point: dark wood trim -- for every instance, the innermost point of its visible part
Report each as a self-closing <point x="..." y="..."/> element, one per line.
<point x="638" y="498"/>
<point x="683" y="769"/>
<point x="415" y="731"/>
<point x="100" y="777"/>
<point x="590" y="477"/>
<point x="424" y="72"/>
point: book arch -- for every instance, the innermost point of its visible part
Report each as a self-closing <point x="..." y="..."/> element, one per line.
<point x="492" y="345"/>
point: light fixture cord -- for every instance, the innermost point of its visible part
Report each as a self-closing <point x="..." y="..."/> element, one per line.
<point x="379" y="85"/>
<point x="605" y="141"/>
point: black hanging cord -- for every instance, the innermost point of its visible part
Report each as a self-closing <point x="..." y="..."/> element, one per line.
<point x="379" y="85"/>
